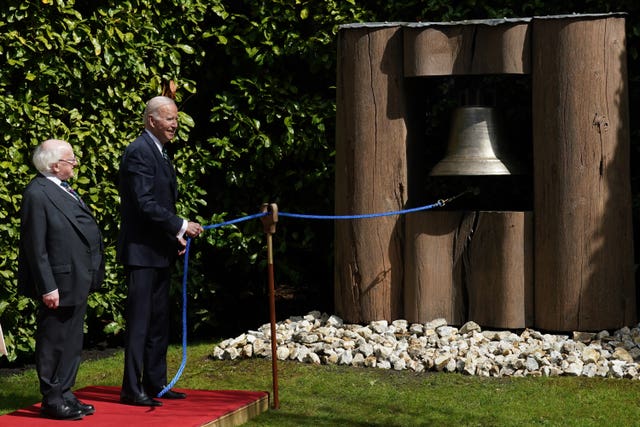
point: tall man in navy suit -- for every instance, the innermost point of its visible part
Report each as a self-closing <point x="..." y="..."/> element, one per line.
<point x="151" y="237"/>
<point x="60" y="262"/>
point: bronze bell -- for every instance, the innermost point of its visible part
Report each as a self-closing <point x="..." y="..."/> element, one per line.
<point x="476" y="145"/>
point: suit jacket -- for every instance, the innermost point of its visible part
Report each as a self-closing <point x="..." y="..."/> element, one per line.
<point x="148" y="193"/>
<point x="60" y="245"/>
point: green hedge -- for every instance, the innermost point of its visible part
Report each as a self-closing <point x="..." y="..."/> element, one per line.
<point x="82" y="73"/>
<point x="82" y="70"/>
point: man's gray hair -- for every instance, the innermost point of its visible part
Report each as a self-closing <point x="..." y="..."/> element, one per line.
<point x="154" y="105"/>
<point x="47" y="153"/>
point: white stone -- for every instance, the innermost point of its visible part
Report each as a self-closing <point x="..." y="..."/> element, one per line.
<point x="282" y="353"/>
<point x="400" y="325"/>
<point x="589" y="370"/>
<point x="441" y="361"/>
<point x="531" y="364"/>
<point x="383" y="352"/>
<point x="399" y="364"/>
<point x="231" y="354"/>
<point x="383" y="364"/>
<point x="345" y="358"/>
<point x="247" y="351"/>
<point x="574" y="368"/>
<point x="379" y="326"/>
<point x="312" y="358"/>
<point x="416" y="328"/>
<point x="590" y="355"/>
<point x="358" y="359"/>
<point x="218" y="352"/>
<point x="370" y="362"/>
<point x="622" y="354"/>
<point x="446" y="331"/>
<point x="335" y="321"/>
<point x="435" y="323"/>
<point x="470" y="327"/>
<point x="617" y="368"/>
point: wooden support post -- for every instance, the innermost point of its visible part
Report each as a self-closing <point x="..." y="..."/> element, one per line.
<point x="269" y="224"/>
<point x="472" y="265"/>
<point x="582" y="204"/>
<point x="499" y="273"/>
<point x="371" y="173"/>
<point x="433" y="289"/>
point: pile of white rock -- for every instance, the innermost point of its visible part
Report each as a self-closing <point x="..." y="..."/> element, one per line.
<point x="435" y="346"/>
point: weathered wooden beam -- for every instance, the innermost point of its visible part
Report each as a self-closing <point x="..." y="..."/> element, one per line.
<point x="582" y="201"/>
<point x="474" y="48"/>
<point x="473" y="265"/>
<point x="371" y="174"/>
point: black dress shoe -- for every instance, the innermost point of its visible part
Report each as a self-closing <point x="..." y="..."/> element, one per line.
<point x="170" y="394"/>
<point x="61" y="411"/>
<point x="139" y="400"/>
<point x="85" y="408"/>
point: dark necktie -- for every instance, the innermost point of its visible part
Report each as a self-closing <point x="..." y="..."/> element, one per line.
<point x="165" y="154"/>
<point x="67" y="187"/>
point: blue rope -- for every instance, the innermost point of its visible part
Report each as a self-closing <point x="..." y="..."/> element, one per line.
<point x="185" y="274"/>
<point x="439" y="203"/>
<point x="234" y="221"/>
<point x="184" y="321"/>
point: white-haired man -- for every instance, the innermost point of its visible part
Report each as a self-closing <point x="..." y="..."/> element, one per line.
<point x="60" y="262"/>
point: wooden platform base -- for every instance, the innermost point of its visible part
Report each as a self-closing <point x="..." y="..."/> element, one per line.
<point x="219" y="408"/>
<point x="243" y="414"/>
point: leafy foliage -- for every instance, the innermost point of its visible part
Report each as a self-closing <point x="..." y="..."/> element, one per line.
<point x="271" y="128"/>
<point x="82" y="72"/>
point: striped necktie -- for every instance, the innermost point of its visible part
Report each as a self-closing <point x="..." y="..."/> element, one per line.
<point x="67" y="187"/>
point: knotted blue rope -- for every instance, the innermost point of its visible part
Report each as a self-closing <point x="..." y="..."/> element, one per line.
<point x="438" y="204"/>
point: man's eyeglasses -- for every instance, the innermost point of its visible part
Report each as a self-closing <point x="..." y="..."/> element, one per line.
<point x="72" y="162"/>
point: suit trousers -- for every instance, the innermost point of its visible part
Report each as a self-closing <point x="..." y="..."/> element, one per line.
<point x="147" y="330"/>
<point x="59" y="339"/>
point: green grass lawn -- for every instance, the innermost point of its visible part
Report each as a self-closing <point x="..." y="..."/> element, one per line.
<point x="345" y="396"/>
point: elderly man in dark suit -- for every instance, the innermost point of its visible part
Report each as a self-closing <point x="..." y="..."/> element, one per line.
<point x="151" y="237"/>
<point x="60" y="262"/>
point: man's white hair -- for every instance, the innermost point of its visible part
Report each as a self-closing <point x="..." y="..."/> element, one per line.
<point x="49" y="152"/>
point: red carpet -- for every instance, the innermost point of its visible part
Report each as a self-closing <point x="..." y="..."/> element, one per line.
<point x="201" y="407"/>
